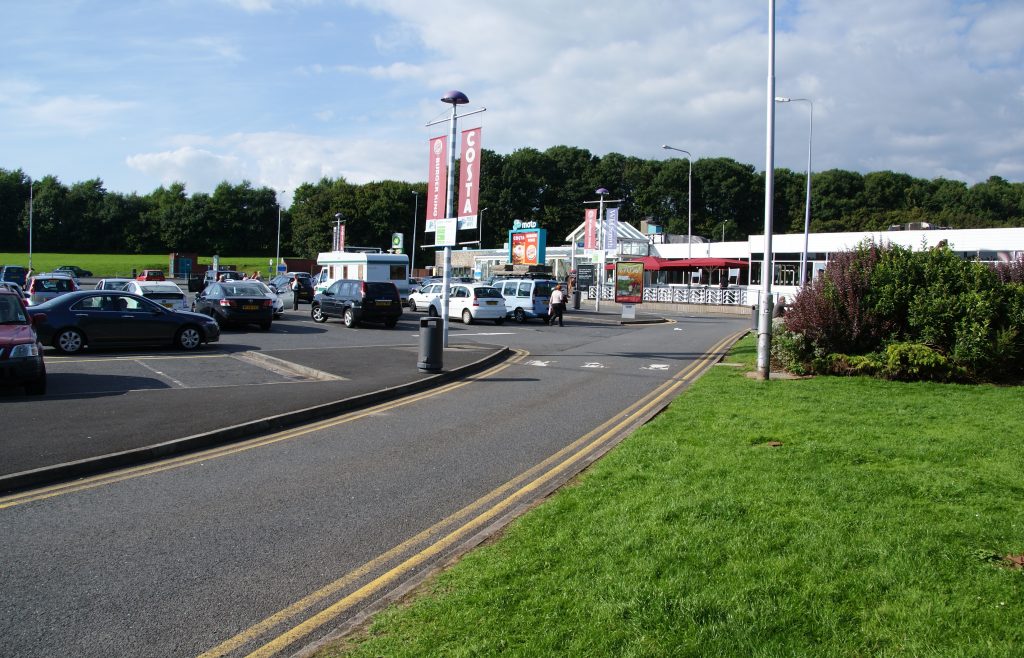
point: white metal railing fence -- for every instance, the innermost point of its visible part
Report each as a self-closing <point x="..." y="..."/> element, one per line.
<point x="672" y="294"/>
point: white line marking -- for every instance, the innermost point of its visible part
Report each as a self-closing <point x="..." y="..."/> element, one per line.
<point x="165" y="376"/>
<point x="656" y="366"/>
<point x="593" y="365"/>
<point x="539" y="364"/>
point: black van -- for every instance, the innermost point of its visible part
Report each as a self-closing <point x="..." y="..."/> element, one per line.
<point x="357" y="301"/>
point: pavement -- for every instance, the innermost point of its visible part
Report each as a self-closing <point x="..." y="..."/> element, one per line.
<point x="116" y="431"/>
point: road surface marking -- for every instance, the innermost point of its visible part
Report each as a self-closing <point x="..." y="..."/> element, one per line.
<point x="656" y="366"/>
<point x="539" y="364"/>
<point x="592" y="365"/>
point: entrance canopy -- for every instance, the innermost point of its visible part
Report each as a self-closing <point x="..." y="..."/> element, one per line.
<point x="653" y="263"/>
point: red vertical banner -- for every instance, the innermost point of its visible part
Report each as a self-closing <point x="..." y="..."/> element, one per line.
<point x="590" y="231"/>
<point x="469" y="178"/>
<point x="437" y="181"/>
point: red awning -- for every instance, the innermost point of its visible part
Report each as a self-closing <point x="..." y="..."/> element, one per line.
<point x="651" y="263"/>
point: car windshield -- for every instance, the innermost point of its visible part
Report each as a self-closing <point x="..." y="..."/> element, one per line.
<point x="242" y="290"/>
<point x="487" y="293"/>
<point x="542" y="289"/>
<point x="54" y="285"/>
<point x="11" y="310"/>
<point x="262" y="286"/>
<point x="114" y="284"/>
<point x="380" y="289"/>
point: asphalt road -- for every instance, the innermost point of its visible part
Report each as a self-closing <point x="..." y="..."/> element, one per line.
<point x="269" y="545"/>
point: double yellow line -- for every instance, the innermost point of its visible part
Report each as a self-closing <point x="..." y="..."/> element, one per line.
<point x="519" y="491"/>
<point x="223" y="451"/>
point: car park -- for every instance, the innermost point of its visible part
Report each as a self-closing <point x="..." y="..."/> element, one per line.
<point x="151" y="275"/>
<point x="44" y="287"/>
<point x="526" y="298"/>
<point x="21" y="354"/>
<point x="15" y="274"/>
<point x="164" y="293"/>
<point x="112" y="284"/>
<point x="471" y="302"/>
<point x="356" y="301"/>
<point x="420" y="299"/>
<point x="236" y="302"/>
<point x="98" y="318"/>
<point x="74" y="270"/>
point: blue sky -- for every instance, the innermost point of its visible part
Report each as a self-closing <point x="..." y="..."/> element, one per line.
<point x="281" y="92"/>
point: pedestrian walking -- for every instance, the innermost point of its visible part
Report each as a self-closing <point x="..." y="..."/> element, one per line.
<point x="556" y="306"/>
<point x="296" y="286"/>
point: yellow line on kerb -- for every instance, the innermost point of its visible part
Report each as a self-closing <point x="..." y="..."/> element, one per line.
<point x="569" y="455"/>
<point x="223" y="451"/>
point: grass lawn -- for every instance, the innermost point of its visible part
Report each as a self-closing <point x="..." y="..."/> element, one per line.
<point x="114" y="265"/>
<point x="877" y="528"/>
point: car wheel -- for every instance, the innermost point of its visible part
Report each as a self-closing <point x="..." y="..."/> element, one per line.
<point x="350" y="318"/>
<point x="467" y="317"/>
<point x="265" y="326"/>
<point x="69" y="341"/>
<point x="412" y="305"/>
<point x="189" y="338"/>
<point x="317" y="313"/>
<point x="499" y="321"/>
<point x="432" y="312"/>
<point x="519" y="315"/>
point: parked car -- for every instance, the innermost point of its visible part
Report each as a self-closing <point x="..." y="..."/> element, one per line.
<point x="472" y="302"/>
<point x="21" y="354"/>
<point x="112" y="284"/>
<point x="15" y="274"/>
<point x="283" y="284"/>
<point x="526" y="298"/>
<point x="271" y="295"/>
<point x="117" y="318"/>
<point x="11" y="286"/>
<point x="420" y="299"/>
<point x="356" y="301"/>
<point x="236" y="302"/>
<point x="74" y="270"/>
<point x="164" y="293"/>
<point x="151" y="275"/>
<point x="44" y="287"/>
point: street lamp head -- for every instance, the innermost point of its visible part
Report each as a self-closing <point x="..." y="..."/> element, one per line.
<point x="415" y="192"/>
<point x="601" y="191"/>
<point x="782" y="99"/>
<point x="455" y="97"/>
<point x="337" y="216"/>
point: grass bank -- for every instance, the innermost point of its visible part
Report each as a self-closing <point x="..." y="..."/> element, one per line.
<point x="877" y="527"/>
<point x="117" y="265"/>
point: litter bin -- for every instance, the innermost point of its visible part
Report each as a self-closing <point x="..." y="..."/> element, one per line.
<point x="576" y="299"/>
<point x="431" y="345"/>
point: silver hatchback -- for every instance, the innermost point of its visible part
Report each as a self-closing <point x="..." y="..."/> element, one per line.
<point x="44" y="287"/>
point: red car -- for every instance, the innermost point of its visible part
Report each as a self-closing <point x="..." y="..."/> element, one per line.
<point x="21" y="355"/>
<point x="151" y="275"/>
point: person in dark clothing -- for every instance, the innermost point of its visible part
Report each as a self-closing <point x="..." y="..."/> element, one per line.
<point x="296" y="287"/>
<point x="556" y="306"/>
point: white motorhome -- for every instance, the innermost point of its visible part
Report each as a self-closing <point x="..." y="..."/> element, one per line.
<point x="365" y="267"/>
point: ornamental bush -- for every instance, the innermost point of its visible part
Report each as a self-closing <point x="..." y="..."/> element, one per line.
<point x="893" y="312"/>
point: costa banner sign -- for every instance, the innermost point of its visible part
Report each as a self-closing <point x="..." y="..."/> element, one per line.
<point x="590" y="232"/>
<point x="469" y="178"/>
<point x="437" y="181"/>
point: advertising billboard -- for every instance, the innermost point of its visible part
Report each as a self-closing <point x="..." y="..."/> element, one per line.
<point x="437" y="182"/>
<point x="469" y="178"/>
<point x="527" y="246"/>
<point x="629" y="283"/>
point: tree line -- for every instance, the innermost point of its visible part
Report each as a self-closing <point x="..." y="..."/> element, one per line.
<point x="548" y="186"/>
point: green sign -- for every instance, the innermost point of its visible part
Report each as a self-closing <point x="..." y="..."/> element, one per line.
<point x="397" y="241"/>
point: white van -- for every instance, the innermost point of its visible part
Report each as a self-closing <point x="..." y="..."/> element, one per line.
<point x="364" y="266"/>
<point x="526" y="298"/>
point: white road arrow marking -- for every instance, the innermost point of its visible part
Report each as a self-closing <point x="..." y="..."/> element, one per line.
<point x="593" y="365"/>
<point x="656" y="366"/>
<point x="540" y="364"/>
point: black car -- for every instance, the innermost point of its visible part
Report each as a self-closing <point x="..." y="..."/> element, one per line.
<point x="21" y="355"/>
<point x="283" y="284"/>
<point x="116" y="318"/>
<point x="14" y="274"/>
<point x="73" y="270"/>
<point x="236" y="302"/>
<point x="359" y="301"/>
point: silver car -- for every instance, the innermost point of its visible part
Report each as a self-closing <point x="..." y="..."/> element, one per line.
<point x="44" y="287"/>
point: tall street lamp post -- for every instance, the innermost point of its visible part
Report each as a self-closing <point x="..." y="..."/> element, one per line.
<point x="31" y="185"/>
<point x="415" y="216"/>
<point x="481" y="221"/>
<point x="277" y="253"/>
<point x="807" y="201"/>
<point x="764" y="320"/>
<point x="689" y="199"/>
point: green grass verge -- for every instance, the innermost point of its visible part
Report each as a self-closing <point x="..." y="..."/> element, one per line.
<point x="874" y="530"/>
<point x="119" y="265"/>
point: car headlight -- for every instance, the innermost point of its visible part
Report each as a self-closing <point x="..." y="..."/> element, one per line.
<point x="25" y="350"/>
